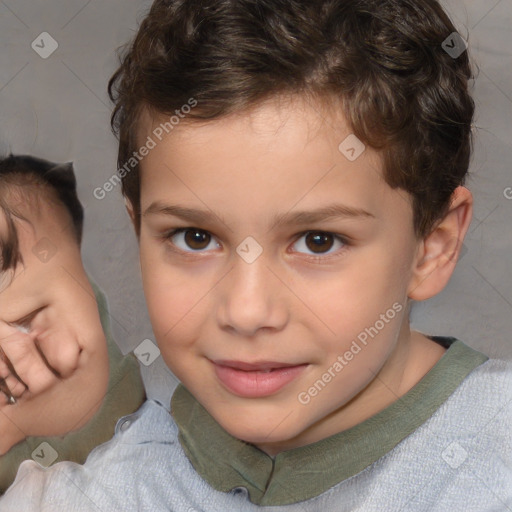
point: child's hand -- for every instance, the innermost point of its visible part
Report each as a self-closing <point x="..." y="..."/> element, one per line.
<point x="49" y="344"/>
<point x="22" y="366"/>
<point x="63" y="359"/>
<point x="51" y="401"/>
<point x="25" y="373"/>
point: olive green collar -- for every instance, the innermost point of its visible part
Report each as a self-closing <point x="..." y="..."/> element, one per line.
<point x="303" y="473"/>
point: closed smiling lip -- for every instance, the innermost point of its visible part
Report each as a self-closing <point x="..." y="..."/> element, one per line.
<point x="254" y="367"/>
<point x="258" y="379"/>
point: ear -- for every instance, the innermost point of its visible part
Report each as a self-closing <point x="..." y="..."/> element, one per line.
<point x="439" y="251"/>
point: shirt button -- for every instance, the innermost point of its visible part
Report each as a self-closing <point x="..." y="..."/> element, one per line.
<point x="125" y="425"/>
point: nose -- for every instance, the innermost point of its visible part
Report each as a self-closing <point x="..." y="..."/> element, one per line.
<point x="252" y="299"/>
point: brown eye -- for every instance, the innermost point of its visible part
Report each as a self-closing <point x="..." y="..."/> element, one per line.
<point x="320" y="245"/>
<point x="191" y="240"/>
<point x="319" y="242"/>
<point x="196" y="239"/>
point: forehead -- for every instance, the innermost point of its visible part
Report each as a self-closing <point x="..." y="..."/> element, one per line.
<point x="264" y="119"/>
<point x="279" y="153"/>
<point x="291" y="127"/>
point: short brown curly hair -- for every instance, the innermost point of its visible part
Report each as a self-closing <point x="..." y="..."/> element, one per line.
<point x="400" y="91"/>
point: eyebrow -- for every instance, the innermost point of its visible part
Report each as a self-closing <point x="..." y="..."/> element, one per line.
<point x="329" y="212"/>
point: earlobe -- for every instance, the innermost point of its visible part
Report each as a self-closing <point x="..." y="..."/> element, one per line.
<point x="439" y="251"/>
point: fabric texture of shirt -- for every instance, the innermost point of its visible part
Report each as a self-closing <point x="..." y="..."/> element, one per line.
<point x="458" y="459"/>
<point x="125" y="394"/>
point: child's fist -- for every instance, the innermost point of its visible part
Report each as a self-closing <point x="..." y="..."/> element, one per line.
<point x="22" y="366"/>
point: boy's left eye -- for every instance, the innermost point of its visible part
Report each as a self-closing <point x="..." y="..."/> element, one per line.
<point x="197" y="240"/>
<point x="319" y="242"/>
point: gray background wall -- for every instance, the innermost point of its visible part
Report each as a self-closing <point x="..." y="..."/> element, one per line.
<point x="57" y="108"/>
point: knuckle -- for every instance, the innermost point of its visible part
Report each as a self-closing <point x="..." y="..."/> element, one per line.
<point x="18" y="346"/>
<point x="40" y="382"/>
<point x="15" y="386"/>
<point x="66" y="360"/>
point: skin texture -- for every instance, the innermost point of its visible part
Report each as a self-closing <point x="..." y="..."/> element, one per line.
<point x="63" y="359"/>
<point x="206" y="303"/>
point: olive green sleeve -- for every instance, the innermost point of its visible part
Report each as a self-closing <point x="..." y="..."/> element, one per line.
<point x="125" y="395"/>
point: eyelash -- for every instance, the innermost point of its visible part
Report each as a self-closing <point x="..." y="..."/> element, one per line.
<point x="166" y="237"/>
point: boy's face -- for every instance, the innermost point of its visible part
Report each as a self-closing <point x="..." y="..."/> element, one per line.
<point x="224" y="315"/>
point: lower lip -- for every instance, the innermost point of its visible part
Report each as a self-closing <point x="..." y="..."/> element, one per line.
<point x="257" y="384"/>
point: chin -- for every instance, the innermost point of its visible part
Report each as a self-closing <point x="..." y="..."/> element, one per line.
<point x="259" y="430"/>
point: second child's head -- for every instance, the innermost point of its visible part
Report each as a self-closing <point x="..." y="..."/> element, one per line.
<point x="29" y="187"/>
<point x="294" y="173"/>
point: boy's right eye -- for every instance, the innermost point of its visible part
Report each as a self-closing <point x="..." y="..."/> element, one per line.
<point x="191" y="239"/>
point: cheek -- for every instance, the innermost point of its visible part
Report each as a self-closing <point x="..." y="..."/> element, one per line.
<point x="169" y="303"/>
<point x="362" y="308"/>
<point x="173" y="298"/>
<point x="162" y="297"/>
<point x="363" y="290"/>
